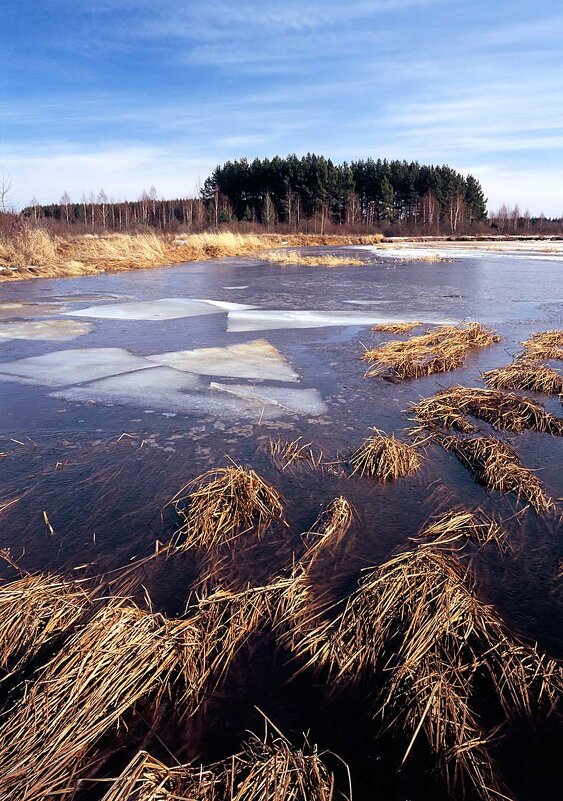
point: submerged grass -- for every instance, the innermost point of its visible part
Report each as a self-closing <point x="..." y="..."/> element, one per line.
<point x="416" y="632"/>
<point x="385" y="458"/>
<point x="437" y="351"/>
<point x="524" y="373"/>
<point x="224" y="504"/>
<point x="502" y="410"/>
<point x="121" y="656"/>
<point x="497" y="466"/>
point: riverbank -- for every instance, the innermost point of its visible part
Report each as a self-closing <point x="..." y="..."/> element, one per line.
<point x="35" y="253"/>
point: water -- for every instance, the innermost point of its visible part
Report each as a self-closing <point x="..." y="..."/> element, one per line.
<point x="104" y="471"/>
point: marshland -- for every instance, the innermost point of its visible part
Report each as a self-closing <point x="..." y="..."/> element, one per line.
<point x="252" y="551"/>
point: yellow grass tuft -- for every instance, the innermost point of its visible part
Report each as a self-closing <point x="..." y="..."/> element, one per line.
<point x="524" y="373"/>
<point x="385" y="458"/>
<point x="450" y="408"/>
<point x="34" y="611"/>
<point x="287" y="257"/>
<point x="292" y="454"/>
<point x="269" y="770"/>
<point x="224" y="504"/>
<point x="437" y="351"/>
<point x="395" y="328"/>
<point x="497" y="466"/>
<point x="456" y="529"/>
<point x="546" y="345"/>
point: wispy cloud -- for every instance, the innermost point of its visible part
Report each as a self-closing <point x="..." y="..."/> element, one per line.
<point x="124" y="93"/>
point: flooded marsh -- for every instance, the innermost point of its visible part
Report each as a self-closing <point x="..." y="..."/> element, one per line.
<point x="217" y="518"/>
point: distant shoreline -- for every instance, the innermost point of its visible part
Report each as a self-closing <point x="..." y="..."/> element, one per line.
<point x="40" y="254"/>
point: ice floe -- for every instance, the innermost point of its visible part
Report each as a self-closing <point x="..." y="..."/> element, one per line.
<point x="161" y="309"/>
<point x="236" y="287"/>
<point x="169" y="391"/>
<point x="72" y="366"/>
<point x="62" y="330"/>
<point x="527" y="250"/>
<point x="257" y="359"/>
<point x="266" y="319"/>
<point x="15" y="310"/>
<point x="301" y="401"/>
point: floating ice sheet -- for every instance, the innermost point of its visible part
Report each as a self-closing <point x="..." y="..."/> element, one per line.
<point x="72" y="366"/>
<point x="265" y="319"/>
<point x="534" y="251"/>
<point x="236" y="287"/>
<point x="257" y="359"/>
<point x="13" y="309"/>
<point x="169" y="391"/>
<point x="63" y="330"/>
<point x="161" y="309"/>
<point x="300" y="401"/>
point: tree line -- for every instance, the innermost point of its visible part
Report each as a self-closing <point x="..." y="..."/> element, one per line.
<point x="310" y="194"/>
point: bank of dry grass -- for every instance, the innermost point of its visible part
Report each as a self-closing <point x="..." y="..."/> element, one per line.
<point x="36" y="253"/>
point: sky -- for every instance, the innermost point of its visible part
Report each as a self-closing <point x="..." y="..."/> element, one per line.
<point x="120" y="95"/>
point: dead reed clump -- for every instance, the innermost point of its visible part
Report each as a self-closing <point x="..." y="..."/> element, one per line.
<point x="455" y="529"/>
<point x="34" y="611"/>
<point x="147" y="779"/>
<point x="385" y="458"/>
<point x="417" y="633"/>
<point x="502" y="410"/>
<point x="120" y="657"/>
<point x="497" y="466"/>
<point x="395" y="328"/>
<point x="225" y="503"/>
<point x="524" y="373"/>
<point x="290" y="257"/>
<point x="545" y="345"/>
<point x="329" y="529"/>
<point x="269" y="770"/>
<point x="437" y="351"/>
<point x="290" y="455"/>
<point x="277" y="772"/>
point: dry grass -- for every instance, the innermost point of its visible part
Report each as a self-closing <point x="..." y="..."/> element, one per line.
<point x="35" y="253"/>
<point x="437" y="351"/>
<point x="385" y="458"/>
<point x="289" y="257"/>
<point x="264" y="771"/>
<point x="34" y="611"/>
<point x="415" y="624"/>
<point x="224" y="504"/>
<point x="122" y="656"/>
<point x="395" y="328"/>
<point x="502" y="410"/>
<point x="148" y="779"/>
<point x="293" y="454"/>
<point x="456" y="529"/>
<point x="497" y="466"/>
<point x="524" y="373"/>
<point x="329" y="529"/>
<point x="545" y="346"/>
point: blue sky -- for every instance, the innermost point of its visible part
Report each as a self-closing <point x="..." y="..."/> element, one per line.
<point x="122" y="94"/>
